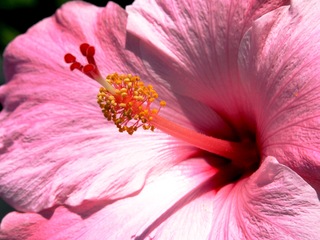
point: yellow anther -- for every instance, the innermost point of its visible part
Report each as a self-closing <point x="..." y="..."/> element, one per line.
<point x="163" y="103"/>
<point x="128" y="105"/>
<point x="146" y="127"/>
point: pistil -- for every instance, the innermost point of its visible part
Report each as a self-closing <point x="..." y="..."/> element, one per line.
<point x="242" y="154"/>
<point x="125" y="100"/>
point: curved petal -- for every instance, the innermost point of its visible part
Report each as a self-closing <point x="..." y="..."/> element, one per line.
<point x="56" y="147"/>
<point x="280" y="62"/>
<point x="274" y="203"/>
<point x="193" y="46"/>
<point x="130" y="215"/>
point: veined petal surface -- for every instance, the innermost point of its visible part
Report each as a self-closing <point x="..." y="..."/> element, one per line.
<point x="279" y="61"/>
<point x="273" y="203"/>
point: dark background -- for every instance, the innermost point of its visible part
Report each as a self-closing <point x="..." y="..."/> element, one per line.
<point x="16" y="16"/>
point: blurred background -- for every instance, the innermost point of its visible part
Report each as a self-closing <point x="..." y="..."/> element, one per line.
<point x="16" y="16"/>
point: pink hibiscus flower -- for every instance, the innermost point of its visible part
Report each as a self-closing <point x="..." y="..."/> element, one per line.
<point x="235" y="153"/>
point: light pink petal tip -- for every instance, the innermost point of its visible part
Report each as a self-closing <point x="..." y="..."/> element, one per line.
<point x="274" y="203"/>
<point x="280" y="62"/>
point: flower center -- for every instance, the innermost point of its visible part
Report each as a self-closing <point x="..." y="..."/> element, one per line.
<point x="126" y="101"/>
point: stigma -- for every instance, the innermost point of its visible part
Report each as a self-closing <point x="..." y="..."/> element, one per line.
<point x="123" y="98"/>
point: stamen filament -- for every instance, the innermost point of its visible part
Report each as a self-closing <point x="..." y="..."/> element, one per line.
<point x="241" y="154"/>
<point x="106" y="85"/>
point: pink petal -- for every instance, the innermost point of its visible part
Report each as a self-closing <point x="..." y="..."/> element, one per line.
<point x="278" y="204"/>
<point x="193" y="45"/>
<point x="56" y="147"/>
<point x="33" y="226"/>
<point x="280" y="62"/>
<point x="274" y="203"/>
<point x="118" y="220"/>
